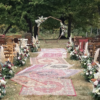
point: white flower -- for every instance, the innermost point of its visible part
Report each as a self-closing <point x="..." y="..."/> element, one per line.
<point x="9" y="65"/>
<point x="71" y="53"/>
<point x="96" y="82"/>
<point x="89" y="67"/>
<point x="84" y="63"/>
<point x="24" y="49"/>
<point x="23" y="62"/>
<point x="2" y="82"/>
<point x="90" y="72"/>
<point x="98" y="91"/>
<point x="0" y="89"/>
<point x="87" y="73"/>
<point x="88" y="61"/>
<point x="96" y="75"/>
<point x="18" y="57"/>
<point x="3" y="68"/>
<point x="11" y="72"/>
<point x="25" y="59"/>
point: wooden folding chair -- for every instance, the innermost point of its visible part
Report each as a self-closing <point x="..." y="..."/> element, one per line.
<point x="8" y="52"/>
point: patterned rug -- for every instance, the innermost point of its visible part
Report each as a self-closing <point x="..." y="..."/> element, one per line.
<point x="59" y="66"/>
<point x="26" y="81"/>
<point x="60" y="50"/>
<point x="52" y="55"/>
<point x="40" y="61"/>
<point x="37" y="73"/>
<point x="52" y="87"/>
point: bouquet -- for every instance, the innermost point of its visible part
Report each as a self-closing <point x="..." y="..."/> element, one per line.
<point x="96" y="90"/>
<point x="89" y="72"/>
<point x="74" y="55"/>
<point x="20" y="60"/>
<point x="69" y="47"/>
<point x="7" y="70"/>
<point x="2" y="87"/>
<point x="34" y="48"/>
<point x="85" y="60"/>
<point x="25" y="52"/>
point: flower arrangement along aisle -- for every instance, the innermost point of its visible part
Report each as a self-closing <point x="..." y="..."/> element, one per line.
<point x="7" y="70"/>
<point x="74" y="55"/>
<point x="2" y="87"/>
<point x="34" y="48"/>
<point x="85" y="60"/>
<point x="20" y="60"/>
<point x="90" y="71"/>
<point x="96" y="90"/>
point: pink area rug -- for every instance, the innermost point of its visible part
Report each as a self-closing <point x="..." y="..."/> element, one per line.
<point x="26" y="81"/>
<point x="38" y="61"/>
<point x="52" y="55"/>
<point x="52" y="87"/>
<point x="37" y="73"/>
<point x="53" y="50"/>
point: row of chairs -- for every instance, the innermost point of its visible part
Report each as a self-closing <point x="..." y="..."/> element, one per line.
<point x="93" y="44"/>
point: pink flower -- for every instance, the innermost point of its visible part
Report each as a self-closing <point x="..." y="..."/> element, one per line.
<point x="9" y="67"/>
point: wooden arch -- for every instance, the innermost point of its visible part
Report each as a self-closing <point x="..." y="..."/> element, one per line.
<point x="55" y="19"/>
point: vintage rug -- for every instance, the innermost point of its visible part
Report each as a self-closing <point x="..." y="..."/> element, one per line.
<point x="58" y="66"/>
<point x="61" y="50"/>
<point x="26" y="81"/>
<point x="52" y="87"/>
<point x="38" y="61"/>
<point x="37" y="73"/>
<point x="52" y="55"/>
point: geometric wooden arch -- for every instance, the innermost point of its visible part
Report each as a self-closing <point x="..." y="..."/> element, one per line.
<point x="55" y="19"/>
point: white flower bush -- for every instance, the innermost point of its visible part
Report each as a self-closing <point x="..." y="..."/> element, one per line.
<point x="21" y="58"/>
<point x="2" y="87"/>
<point x="7" y="70"/>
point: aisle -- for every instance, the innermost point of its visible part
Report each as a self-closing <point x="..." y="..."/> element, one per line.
<point x="82" y="87"/>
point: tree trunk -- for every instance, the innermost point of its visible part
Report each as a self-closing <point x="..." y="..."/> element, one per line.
<point x="29" y="25"/>
<point x="35" y="30"/>
<point x="69" y="26"/>
<point x="7" y="29"/>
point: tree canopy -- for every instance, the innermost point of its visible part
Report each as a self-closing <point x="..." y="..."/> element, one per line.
<point x="74" y="13"/>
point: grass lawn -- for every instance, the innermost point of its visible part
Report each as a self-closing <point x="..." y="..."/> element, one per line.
<point x="82" y="87"/>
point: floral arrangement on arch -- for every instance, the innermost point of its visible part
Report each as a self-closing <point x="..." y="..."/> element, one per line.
<point x="7" y="70"/>
<point x="63" y="28"/>
<point x="40" y="20"/>
<point x="2" y="87"/>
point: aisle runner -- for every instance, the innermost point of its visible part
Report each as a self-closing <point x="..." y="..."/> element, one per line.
<point x="60" y="50"/>
<point x="52" y="55"/>
<point x="55" y="87"/>
<point x="38" y="61"/>
<point x="38" y="74"/>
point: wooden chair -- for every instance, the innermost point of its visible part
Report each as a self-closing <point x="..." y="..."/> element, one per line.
<point x="75" y="39"/>
<point x="93" y="46"/>
<point x="2" y="41"/>
<point x="8" y="52"/>
<point x="29" y="37"/>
